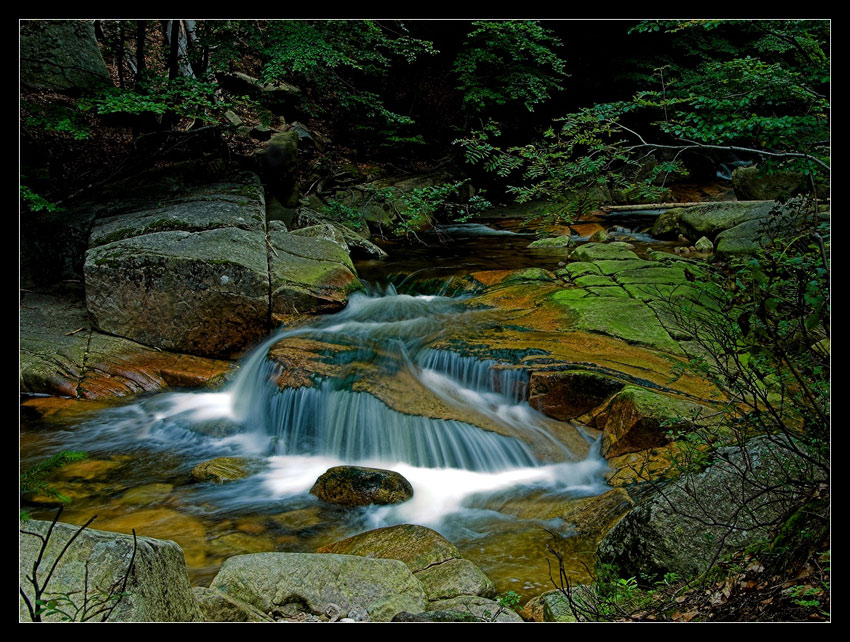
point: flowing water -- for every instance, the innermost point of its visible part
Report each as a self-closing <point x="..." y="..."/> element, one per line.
<point x="459" y="429"/>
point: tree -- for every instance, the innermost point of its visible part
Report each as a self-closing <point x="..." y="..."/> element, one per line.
<point x="756" y="89"/>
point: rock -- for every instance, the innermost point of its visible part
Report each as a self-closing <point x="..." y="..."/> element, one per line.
<point x="359" y="486"/>
<point x="600" y="236"/>
<point x="61" y="55"/>
<point x="279" y="162"/>
<point x="202" y="293"/>
<point x="240" y="544"/>
<point x="703" y="245"/>
<point x="636" y="420"/>
<point x="454" y="578"/>
<point x="435" y="616"/>
<point x="709" y="219"/>
<point x="594" y="251"/>
<point x="529" y="274"/>
<point x="417" y="546"/>
<point x="147" y="494"/>
<point x="556" y="241"/>
<point x="556" y="607"/>
<point x="481" y="608"/>
<point x="569" y="394"/>
<point x="217" y="606"/>
<point x="187" y="273"/>
<point x="695" y="518"/>
<point x="270" y="582"/>
<point x="754" y="184"/>
<point x="225" y="469"/>
<point x="623" y="318"/>
<point x="309" y="275"/>
<point x="666" y="226"/>
<point x="434" y="561"/>
<point x="157" y="588"/>
<point x="232" y="118"/>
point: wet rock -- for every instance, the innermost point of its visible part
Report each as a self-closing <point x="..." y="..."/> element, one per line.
<point x="270" y="582"/>
<point x="147" y="494"/>
<point x="157" y="588"/>
<point x="570" y="394"/>
<point x="417" y="546"/>
<point x="308" y="275"/>
<point x="454" y="578"/>
<point x="359" y="486"/>
<point x="435" y="616"/>
<point x="595" y="251"/>
<point x="529" y="274"/>
<point x="225" y="469"/>
<point x="666" y="226"/>
<point x="240" y="544"/>
<point x="600" y="236"/>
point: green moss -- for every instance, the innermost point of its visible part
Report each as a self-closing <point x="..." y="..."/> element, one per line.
<point x="578" y="268"/>
<point x="613" y="266"/>
<point x="612" y="290"/>
<point x="593" y="280"/>
<point x="670" y="275"/>
<point x="623" y="318"/>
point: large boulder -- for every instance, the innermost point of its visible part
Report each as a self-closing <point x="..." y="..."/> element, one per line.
<point x="709" y="219"/>
<point x="755" y="184"/>
<point x="694" y="520"/>
<point x="61" y="55"/>
<point x="220" y="607"/>
<point x="360" y="486"/>
<point x="434" y="560"/>
<point x="280" y="583"/>
<point x="186" y="273"/>
<point x="157" y="586"/>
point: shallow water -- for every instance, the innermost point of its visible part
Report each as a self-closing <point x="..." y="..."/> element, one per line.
<point x="143" y="450"/>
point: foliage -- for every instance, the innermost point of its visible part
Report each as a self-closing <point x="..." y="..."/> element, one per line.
<point x="506" y="62"/>
<point x="35" y="202"/>
<point x="763" y="93"/>
<point x="56" y="118"/>
<point x="574" y="165"/>
<point x="338" y="59"/>
<point x="32" y="480"/>
<point x="71" y="607"/>
<point x="182" y="96"/>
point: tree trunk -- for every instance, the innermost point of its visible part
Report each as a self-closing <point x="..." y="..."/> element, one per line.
<point x="141" y="32"/>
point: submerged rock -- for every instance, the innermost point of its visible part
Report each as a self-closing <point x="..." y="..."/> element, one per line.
<point x="225" y="469"/>
<point x="359" y="486"/>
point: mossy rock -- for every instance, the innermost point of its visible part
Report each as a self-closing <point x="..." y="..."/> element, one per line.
<point x="593" y="280"/>
<point x="360" y="486"/>
<point x="609" y="267"/>
<point x="623" y="318"/>
<point x="596" y="251"/>
<point x="579" y="268"/>
<point x="553" y="242"/>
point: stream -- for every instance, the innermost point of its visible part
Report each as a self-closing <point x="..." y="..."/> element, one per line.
<point x="470" y="464"/>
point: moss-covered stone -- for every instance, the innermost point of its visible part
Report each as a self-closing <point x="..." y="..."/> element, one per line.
<point x="651" y="275"/>
<point x="596" y="251"/>
<point x="359" y="486"/>
<point x="553" y="242"/>
<point x="608" y="291"/>
<point x="623" y="318"/>
<point x="579" y="268"/>
<point x="637" y="420"/>
<point x="610" y="267"/>
<point x="593" y="280"/>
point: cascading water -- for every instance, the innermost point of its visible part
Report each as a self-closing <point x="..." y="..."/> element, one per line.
<point x="458" y="428"/>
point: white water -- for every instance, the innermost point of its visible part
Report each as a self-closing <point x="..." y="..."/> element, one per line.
<point x="305" y="431"/>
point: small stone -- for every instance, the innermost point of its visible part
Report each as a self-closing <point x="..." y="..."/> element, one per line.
<point x="333" y="611"/>
<point x="358" y="614"/>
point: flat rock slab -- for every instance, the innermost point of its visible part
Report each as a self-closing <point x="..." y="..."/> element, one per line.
<point x="61" y="355"/>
